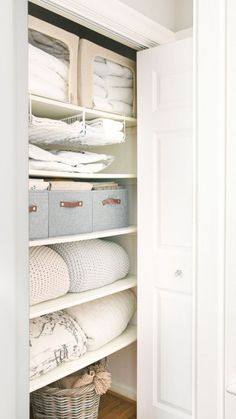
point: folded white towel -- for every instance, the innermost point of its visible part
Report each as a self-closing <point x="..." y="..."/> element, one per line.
<point x="106" y="124"/>
<point x="101" y="69"/>
<point x="42" y="58"/>
<point x="122" y="94"/>
<point x="121" y="108"/>
<point x="98" y="81"/>
<point x="39" y="86"/>
<point x="66" y="161"/>
<point x="102" y="104"/>
<point x="114" y="81"/>
<point x="115" y="69"/>
<point x="99" y="91"/>
<point x="48" y="44"/>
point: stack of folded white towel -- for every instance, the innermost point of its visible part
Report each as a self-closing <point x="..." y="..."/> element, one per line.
<point x="96" y="132"/>
<point x="48" y="75"/>
<point x="113" y="87"/>
<point x="67" y="161"/>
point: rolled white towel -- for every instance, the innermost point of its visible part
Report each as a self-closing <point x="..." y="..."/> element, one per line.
<point x="121" y="108"/>
<point x="114" y="81"/>
<point x="122" y="94"/>
<point x="99" y="91"/>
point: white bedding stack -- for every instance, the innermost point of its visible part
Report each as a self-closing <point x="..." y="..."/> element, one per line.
<point x="113" y="87"/>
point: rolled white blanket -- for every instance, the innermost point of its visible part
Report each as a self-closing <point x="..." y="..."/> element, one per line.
<point x="121" y="94"/>
<point x="93" y="263"/>
<point x="54" y="339"/>
<point x="104" y="319"/>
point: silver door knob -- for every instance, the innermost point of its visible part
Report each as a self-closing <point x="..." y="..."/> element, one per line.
<point x="231" y="389"/>
<point x="178" y="273"/>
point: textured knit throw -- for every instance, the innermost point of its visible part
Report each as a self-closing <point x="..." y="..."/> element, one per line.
<point x="93" y="263"/>
<point x="49" y="276"/>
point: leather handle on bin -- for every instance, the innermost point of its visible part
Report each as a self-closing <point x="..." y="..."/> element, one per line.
<point x="73" y="204"/>
<point x="111" y="201"/>
<point x="33" y="208"/>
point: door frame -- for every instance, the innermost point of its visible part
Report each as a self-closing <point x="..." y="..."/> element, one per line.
<point x="209" y="40"/>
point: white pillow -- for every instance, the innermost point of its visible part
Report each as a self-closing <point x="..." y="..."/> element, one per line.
<point x="49" y="275"/>
<point x="93" y="263"/>
<point x="104" y="319"/>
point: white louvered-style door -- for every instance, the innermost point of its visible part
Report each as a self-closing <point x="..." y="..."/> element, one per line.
<point x="165" y="158"/>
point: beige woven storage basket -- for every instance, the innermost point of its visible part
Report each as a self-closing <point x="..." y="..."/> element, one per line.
<point x="77" y="403"/>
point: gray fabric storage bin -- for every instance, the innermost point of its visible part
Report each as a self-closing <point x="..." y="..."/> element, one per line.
<point x="38" y="214"/>
<point x="110" y="209"/>
<point x="70" y="212"/>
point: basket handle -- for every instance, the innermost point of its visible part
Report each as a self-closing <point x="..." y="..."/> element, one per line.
<point x="111" y="201"/>
<point x="72" y="204"/>
<point x="33" y="208"/>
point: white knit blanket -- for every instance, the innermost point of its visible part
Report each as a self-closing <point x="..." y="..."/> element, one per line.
<point x="104" y="319"/>
<point x="93" y="263"/>
<point x="54" y="339"/>
<point x="49" y="275"/>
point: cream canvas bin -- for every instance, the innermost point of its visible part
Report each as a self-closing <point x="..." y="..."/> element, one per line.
<point x="88" y="52"/>
<point x="62" y="39"/>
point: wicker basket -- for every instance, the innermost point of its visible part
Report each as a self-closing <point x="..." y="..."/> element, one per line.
<point x="79" y="403"/>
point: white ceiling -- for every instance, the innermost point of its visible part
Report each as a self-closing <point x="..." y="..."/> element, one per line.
<point x="174" y="14"/>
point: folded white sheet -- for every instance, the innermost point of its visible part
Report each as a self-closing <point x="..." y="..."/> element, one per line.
<point x="104" y="319"/>
<point x="109" y="68"/>
<point x="121" y="94"/>
<point x="54" y="339"/>
<point x="66" y="161"/>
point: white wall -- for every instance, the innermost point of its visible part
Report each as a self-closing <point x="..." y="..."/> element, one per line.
<point x="183" y="14"/>
<point x="162" y="11"/>
<point x="174" y="14"/>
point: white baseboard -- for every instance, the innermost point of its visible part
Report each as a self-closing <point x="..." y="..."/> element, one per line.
<point x="125" y="391"/>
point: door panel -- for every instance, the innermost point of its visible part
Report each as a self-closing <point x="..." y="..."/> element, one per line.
<point x="165" y="231"/>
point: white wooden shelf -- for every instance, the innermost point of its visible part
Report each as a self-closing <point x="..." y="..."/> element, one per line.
<point x="50" y="108"/>
<point x="67" y="175"/>
<point x="86" y="236"/>
<point x="74" y="299"/>
<point x="125" y="339"/>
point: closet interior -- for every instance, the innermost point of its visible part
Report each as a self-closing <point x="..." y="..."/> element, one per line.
<point x="82" y="217"/>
